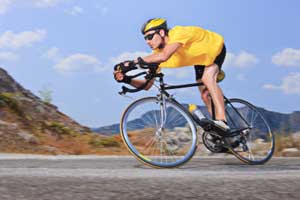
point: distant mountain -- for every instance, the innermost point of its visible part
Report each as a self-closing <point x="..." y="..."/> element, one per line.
<point x="279" y="122"/>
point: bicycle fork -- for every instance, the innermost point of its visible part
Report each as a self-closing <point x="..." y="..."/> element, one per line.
<point x="163" y="112"/>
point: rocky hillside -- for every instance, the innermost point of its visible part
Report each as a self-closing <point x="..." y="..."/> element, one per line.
<point x="29" y="125"/>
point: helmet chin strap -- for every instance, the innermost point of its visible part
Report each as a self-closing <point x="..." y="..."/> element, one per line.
<point x="161" y="46"/>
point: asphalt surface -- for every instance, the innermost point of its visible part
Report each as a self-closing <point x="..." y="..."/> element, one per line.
<point x="93" y="177"/>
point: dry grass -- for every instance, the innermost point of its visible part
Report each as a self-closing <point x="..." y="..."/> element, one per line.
<point x="104" y="142"/>
<point x="88" y="143"/>
<point x="283" y="142"/>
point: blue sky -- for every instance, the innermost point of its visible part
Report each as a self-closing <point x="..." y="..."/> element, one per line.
<point x="70" y="47"/>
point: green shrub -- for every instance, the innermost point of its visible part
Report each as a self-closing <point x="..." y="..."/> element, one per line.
<point x="104" y="142"/>
<point x="46" y="95"/>
<point x="59" y="127"/>
<point x="7" y="99"/>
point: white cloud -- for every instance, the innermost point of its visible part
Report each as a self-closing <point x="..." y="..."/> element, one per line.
<point x="8" y="56"/>
<point x="289" y="85"/>
<point x="271" y="87"/>
<point x="75" y="10"/>
<point x="124" y="57"/>
<point x="46" y="3"/>
<point x="242" y="60"/>
<point x="53" y="54"/>
<point x="77" y="62"/>
<point x="127" y="56"/>
<point x="4" y="5"/>
<point x="16" y="40"/>
<point x="287" y="57"/>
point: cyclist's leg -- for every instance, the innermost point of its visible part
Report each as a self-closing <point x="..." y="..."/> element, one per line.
<point x="210" y="80"/>
<point x="199" y="69"/>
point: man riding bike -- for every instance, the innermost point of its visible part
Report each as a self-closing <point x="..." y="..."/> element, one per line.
<point x="183" y="46"/>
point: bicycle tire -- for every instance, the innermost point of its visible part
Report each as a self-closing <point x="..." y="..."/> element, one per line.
<point x="175" y="130"/>
<point x="258" y="137"/>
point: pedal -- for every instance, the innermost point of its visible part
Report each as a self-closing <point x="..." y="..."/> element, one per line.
<point x="205" y="124"/>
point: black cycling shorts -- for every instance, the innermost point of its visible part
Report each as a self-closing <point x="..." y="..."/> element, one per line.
<point x="199" y="69"/>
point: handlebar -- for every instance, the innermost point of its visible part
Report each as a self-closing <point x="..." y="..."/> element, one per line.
<point x="148" y="77"/>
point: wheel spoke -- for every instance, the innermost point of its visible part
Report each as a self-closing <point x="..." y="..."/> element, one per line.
<point x="151" y="143"/>
<point x="251" y="156"/>
<point x="161" y="133"/>
<point x="259" y="139"/>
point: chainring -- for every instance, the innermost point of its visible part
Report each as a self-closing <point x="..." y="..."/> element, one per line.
<point x="213" y="142"/>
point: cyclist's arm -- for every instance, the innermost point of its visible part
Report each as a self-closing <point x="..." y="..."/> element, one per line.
<point x="156" y="58"/>
<point x="139" y="83"/>
<point x="164" y="55"/>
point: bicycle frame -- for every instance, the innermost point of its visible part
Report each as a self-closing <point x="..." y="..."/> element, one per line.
<point x="163" y="92"/>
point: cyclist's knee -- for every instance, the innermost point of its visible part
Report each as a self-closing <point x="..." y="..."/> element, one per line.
<point x="209" y="79"/>
<point x="210" y="73"/>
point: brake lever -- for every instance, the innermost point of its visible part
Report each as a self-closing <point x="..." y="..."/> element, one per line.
<point x="124" y="91"/>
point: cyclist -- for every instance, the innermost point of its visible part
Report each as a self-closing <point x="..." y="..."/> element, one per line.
<point x="183" y="46"/>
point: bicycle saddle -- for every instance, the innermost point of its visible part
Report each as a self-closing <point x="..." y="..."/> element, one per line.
<point x="221" y="76"/>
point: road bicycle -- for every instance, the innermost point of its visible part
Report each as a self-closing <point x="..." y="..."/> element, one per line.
<point x="161" y="132"/>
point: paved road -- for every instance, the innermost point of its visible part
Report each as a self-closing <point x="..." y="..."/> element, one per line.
<point x="90" y="177"/>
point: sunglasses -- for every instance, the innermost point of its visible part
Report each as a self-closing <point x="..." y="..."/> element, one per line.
<point x="150" y="36"/>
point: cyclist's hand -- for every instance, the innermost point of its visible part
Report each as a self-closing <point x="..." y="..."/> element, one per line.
<point x="145" y="65"/>
<point x="125" y="66"/>
<point x="121" y="77"/>
<point x="118" y="76"/>
<point x="130" y="64"/>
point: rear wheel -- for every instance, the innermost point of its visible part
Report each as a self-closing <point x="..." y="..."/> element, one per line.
<point x="159" y="133"/>
<point x="255" y="139"/>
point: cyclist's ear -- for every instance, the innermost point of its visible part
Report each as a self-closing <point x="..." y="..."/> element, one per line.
<point x="162" y="32"/>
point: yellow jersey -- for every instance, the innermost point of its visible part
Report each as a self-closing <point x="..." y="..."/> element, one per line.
<point x="198" y="46"/>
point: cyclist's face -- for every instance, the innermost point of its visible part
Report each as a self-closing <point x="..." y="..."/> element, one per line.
<point x="153" y="39"/>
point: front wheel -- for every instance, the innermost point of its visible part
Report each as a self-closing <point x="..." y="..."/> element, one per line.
<point x="159" y="133"/>
<point x="255" y="141"/>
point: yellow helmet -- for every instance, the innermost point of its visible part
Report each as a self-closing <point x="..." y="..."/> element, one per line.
<point x="154" y="24"/>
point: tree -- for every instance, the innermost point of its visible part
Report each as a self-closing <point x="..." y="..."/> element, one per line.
<point x="46" y="94"/>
